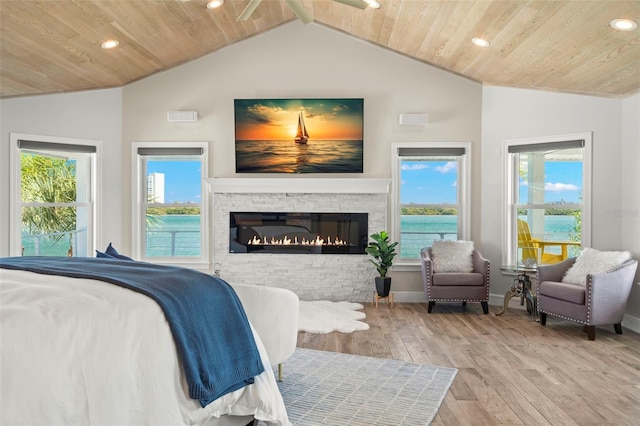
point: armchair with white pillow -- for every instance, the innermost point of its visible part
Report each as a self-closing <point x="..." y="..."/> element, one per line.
<point x="591" y="289"/>
<point x="454" y="271"/>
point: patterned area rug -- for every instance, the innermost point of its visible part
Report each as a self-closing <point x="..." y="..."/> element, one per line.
<point x="328" y="388"/>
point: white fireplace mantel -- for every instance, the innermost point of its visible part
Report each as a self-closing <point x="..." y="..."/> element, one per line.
<point x="300" y="185"/>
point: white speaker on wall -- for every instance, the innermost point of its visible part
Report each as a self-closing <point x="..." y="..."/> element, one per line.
<point x="182" y="116"/>
<point x="414" y="119"/>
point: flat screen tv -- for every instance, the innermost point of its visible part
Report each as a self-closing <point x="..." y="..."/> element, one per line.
<point x="299" y="135"/>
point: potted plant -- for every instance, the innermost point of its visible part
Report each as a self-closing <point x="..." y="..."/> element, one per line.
<point x="383" y="252"/>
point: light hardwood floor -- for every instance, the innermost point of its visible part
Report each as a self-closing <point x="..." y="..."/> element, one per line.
<point x="511" y="370"/>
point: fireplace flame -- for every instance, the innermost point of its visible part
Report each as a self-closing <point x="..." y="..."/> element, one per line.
<point x="287" y="241"/>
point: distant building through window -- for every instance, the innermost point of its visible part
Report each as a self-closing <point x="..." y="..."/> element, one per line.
<point x="170" y="223"/>
<point x="155" y="187"/>
<point x="547" y="198"/>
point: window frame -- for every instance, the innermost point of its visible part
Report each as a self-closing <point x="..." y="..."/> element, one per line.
<point x="94" y="195"/>
<point x="463" y="193"/>
<point x="139" y="193"/>
<point x="510" y="195"/>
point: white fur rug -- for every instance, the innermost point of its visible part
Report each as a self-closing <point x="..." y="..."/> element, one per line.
<point x="323" y="316"/>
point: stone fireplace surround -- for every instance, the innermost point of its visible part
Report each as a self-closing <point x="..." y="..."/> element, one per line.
<point x="311" y="277"/>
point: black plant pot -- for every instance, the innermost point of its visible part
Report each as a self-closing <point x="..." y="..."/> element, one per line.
<point x="383" y="285"/>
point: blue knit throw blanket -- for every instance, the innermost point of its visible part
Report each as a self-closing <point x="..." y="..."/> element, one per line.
<point x="209" y="325"/>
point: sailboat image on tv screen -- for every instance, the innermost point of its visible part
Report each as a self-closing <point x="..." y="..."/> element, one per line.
<point x="301" y="135"/>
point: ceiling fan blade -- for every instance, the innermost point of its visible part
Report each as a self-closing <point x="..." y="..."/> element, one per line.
<point x="360" y="4"/>
<point x="299" y="11"/>
<point x="248" y="10"/>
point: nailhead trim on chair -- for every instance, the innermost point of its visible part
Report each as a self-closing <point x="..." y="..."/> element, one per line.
<point x="429" y="274"/>
<point x="486" y="299"/>
<point x="588" y="301"/>
<point x="562" y="316"/>
<point x="589" y="298"/>
<point x="488" y="277"/>
<point x="457" y="300"/>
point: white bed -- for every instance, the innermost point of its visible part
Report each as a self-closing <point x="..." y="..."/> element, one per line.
<point x="85" y="352"/>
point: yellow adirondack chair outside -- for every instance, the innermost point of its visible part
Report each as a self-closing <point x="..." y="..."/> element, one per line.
<point x="530" y="246"/>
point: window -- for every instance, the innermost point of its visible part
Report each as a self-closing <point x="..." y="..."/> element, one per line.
<point x="547" y="198"/>
<point x="431" y="199"/>
<point x="170" y="222"/>
<point x="54" y="196"/>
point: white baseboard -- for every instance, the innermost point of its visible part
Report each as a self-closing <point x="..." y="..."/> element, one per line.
<point x="496" y="299"/>
<point x="631" y="322"/>
<point x="409" y="296"/>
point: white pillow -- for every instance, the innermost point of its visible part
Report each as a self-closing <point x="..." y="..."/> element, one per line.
<point x="452" y="256"/>
<point x="592" y="261"/>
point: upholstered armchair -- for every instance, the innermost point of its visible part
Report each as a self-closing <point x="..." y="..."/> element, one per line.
<point x="462" y="287"/>
<point x="601" y="300"/>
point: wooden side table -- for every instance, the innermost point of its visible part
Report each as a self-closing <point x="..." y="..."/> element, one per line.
<point x="387" y="299"/>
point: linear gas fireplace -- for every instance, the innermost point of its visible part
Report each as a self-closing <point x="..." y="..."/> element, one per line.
<point x="304" y="233"/>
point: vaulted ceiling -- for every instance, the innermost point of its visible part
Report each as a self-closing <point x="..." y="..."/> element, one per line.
<point x="566" y="46"/>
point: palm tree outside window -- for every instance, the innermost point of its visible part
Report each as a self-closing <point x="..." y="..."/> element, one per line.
<point x="55" y="197"/>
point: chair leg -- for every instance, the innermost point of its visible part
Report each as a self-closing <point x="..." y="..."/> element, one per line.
<point x="591" y="331"/>
<point x="430" y="306"/>
<point x="485" y="307"/>
<point x="618" y="328"/>
<point x="543" y="318"/>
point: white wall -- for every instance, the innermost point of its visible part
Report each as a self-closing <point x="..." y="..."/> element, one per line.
<point x="517" y="113"/>
<point x="630" y="190"/>
<point x="93" y="115"/>
<point x="305" y="61"/>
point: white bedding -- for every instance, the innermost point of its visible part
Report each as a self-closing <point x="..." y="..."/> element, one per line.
<point x="85" y="352"/>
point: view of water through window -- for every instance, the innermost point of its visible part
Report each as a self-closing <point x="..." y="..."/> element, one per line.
<point x="173" y="214"/>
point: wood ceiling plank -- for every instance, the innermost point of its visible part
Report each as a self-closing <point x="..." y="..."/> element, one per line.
<point x="422" y="26"/>
<point x="601" y="70"/>
<point x="622" y="83"/>
<point x="557" y="45"/>
<point x="619" y="47"/>
<point x="490" y="62"/>
<point x="391" y="11"/>
<point x="491" y="22"/>
<point x="372" y="21"/>
<point x="410" y="15"/>
<point x="473" y="23"/>
<point x="25" y="76"/>
<point x="525" y="55"/>
<point x="434" y="19"/>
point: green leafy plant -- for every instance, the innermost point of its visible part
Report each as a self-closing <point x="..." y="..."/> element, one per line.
<point x="48" y="180"/>
<point x="383" y="251"/>
<point x="575" y="234"/>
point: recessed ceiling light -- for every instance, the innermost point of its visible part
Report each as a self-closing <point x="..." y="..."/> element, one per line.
<point x="214" y="4"/>
<point x="480" y="42"/>
<point x="373" y="4"/>
<point x="624" y="24"/>
<point x="109" y="44"/>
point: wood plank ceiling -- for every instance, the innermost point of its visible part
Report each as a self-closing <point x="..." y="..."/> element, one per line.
<point x="567" y="46"/>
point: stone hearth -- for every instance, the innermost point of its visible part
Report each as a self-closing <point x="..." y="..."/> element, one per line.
<point x="311" y="277"/>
